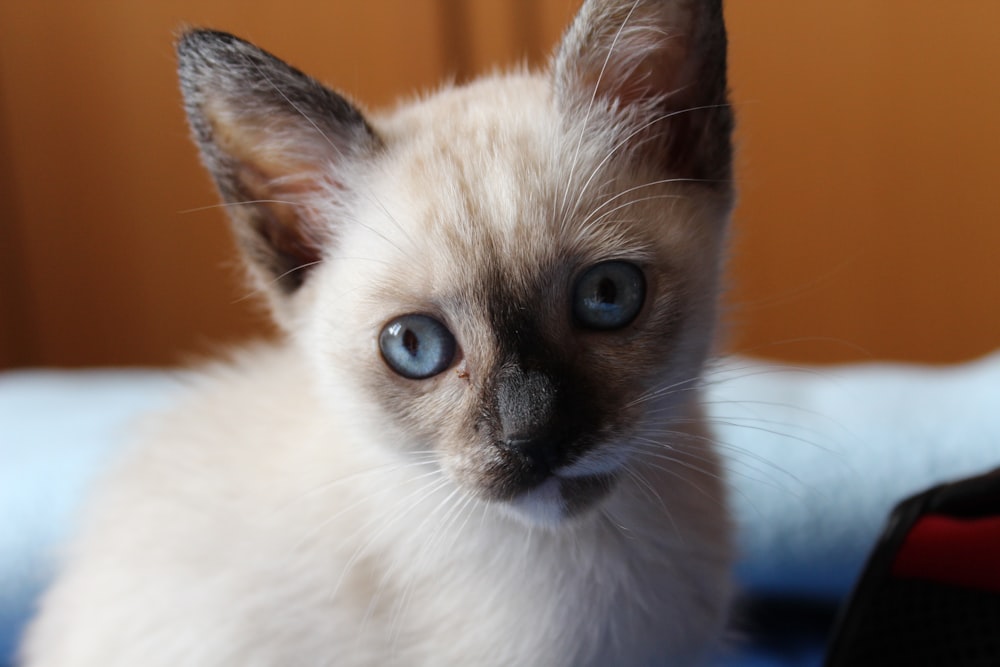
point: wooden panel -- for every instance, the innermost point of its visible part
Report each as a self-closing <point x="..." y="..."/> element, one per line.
<point x="869" y="155"/>
<point x="868" y="151"/>
<point x="491" y="34"/>
<point x="16" y="321"/>
<point x="117" y="263"/>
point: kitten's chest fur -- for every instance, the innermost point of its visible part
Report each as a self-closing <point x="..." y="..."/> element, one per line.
<point x="382" y="559"/>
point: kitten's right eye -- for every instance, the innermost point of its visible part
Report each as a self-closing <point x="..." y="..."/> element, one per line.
<point x="416" y="346"/>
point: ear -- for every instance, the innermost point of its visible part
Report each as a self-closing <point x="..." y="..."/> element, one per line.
<point x="281" y="147"/>
<point x="661" y="65"/>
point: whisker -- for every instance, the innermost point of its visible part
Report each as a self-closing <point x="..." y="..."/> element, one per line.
<point x="421" y="459"/>
<point x="229" y="204"/>
<point x="586" y="226"/>
<point x="631" y="135"/>
<point x="318" y="529"/>
<point x="628" y="191"/>
<point x="657" y="450"/>
<point x="420" y="493"/>
<point x="440" y="528"/>
<point x="687" y="384"/>
<point x="294" y="106"/>
<point x="685" y="478"/>
<point x="647" y="488"/>
<point x="590" y="106"/>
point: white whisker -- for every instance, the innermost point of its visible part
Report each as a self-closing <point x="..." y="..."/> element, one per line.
<point x="232" y="204"/>
<point x="590" y="106"/>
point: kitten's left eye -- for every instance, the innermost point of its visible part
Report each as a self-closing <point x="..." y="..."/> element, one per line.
<point x="416" y="346"/>
<point x="609" y="295"/>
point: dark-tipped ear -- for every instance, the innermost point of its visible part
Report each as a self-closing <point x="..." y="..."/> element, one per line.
<point x="661" y="63"/>
<point x="277" y="143"/>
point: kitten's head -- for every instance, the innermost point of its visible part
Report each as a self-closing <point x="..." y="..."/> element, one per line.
<point x="518" y="275"/>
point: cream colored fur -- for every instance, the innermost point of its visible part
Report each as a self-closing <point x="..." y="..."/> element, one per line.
<point x="304" y="506"/>
<point x="218" y="545"/>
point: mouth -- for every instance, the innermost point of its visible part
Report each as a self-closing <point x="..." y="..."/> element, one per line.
<point x="581" y="493"/>
<point x="539" y="492"/>
<point x="558" y="498"/>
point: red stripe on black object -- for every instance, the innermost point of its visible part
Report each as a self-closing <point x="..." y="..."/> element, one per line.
<point x="959" y="552"/>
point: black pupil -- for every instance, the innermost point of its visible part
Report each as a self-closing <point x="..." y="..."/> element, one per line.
<point x="607" y="291"/>
<point x="411" y="342"/>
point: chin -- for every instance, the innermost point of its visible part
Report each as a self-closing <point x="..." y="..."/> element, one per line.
<point x="560" y="500"/>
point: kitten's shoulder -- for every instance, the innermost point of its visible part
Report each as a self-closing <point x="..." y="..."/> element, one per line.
<point x="188" y="516"/>
<point x="231" y="422"/>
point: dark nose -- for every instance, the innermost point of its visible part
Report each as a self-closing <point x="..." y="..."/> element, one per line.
<point x="527" y="410"/>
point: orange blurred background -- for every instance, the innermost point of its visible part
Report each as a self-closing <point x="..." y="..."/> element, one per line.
<point x="869" y="156"/>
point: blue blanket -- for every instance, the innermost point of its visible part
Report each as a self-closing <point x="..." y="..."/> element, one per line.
<point x="817" y="457"/>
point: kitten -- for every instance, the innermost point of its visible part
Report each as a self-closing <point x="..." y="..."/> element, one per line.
<point x="479" y="442"/>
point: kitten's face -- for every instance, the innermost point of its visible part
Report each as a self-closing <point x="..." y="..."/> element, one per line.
<point x="517" y="277"/>
<point x="482" y="224"/>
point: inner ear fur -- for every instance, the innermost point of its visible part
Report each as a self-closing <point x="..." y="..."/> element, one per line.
<point x="280" y="146"/>
<point x="662" y="64"/>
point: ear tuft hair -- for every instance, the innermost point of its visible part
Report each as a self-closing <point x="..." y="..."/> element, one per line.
<point x="275" y="140"/>
<point x="663" y="64"/>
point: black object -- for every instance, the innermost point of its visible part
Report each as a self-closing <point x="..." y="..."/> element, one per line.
<point x="930" y="592"/>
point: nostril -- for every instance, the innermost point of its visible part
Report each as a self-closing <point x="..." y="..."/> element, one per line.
<point x="520" y="445"/>
<point x="538" y="453"/>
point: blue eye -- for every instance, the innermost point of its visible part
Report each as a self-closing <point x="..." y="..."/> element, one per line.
<point x="416" y="346"/>
<point x="609" y="295"/>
